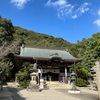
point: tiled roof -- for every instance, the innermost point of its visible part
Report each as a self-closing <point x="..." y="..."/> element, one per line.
<point x="37" y="53"/>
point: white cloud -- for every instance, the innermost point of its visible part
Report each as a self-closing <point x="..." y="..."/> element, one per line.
<point x="99" y="12"/>
<point x="74" y="16"/>
<point x="97" y="22"/>
<point x="19" y="3"/>
<point x="65" y="9"/>
<point x="62" y="6"/>
<point x="57" y="3"/>
<point x="81" y="10"/>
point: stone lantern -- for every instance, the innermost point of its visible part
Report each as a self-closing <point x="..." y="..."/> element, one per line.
<point x="34" y="75"/>
<point x="33" y="78"/>
<point x="73" y="81"/>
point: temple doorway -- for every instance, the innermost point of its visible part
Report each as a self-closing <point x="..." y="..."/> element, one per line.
<point x="50" y="76"/>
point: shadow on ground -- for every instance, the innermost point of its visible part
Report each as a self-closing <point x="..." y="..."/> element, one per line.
<point x="14" y="93"/>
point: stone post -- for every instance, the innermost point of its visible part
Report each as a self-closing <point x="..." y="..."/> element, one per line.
<point x="97" y="63"/>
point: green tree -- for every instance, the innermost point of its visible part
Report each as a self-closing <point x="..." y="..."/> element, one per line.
<point x="5" y="67"/>
<point x="23" y="75"/>
<point x="88" y="50"/>
<point x="6" y="30"/>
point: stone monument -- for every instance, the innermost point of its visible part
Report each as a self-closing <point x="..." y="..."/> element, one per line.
<point x="97" y="63"/>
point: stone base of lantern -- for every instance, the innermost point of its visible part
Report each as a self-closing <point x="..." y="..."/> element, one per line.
<point x="74" y="91"/>
<point x="33" y="87"/>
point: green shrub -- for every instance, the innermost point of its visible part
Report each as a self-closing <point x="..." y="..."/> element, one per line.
<point x="23" y="79"/>
<point x="24" y="83"/>
<point x="23" y="75"/>
<point x="81" y="82"/>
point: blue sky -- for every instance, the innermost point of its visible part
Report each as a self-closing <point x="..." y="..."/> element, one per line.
<point x="71" y="20"/>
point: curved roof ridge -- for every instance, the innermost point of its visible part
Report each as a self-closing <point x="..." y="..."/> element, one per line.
<point x="51" y="48"/>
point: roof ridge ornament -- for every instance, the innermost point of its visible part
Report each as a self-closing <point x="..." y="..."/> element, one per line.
<point x="54" y="55"/>
<point x="23" y="45"/>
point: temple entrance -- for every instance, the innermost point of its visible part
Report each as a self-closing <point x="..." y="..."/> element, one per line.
<point x="49" y="76"/>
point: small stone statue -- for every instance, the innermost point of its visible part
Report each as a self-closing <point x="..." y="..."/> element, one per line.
<point x="35" y="66"/>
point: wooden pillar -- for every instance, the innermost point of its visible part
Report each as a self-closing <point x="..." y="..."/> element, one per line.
<point x="74" y="68"/>
<point x="41" y="72"/>
<point x="38" y="78"/>
<point x="65" y="74"/>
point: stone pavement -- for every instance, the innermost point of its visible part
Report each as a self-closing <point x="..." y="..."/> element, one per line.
<point x="56" y="91"/>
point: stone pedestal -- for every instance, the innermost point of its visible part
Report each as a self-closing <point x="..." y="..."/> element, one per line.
<point x="74" y="90"/>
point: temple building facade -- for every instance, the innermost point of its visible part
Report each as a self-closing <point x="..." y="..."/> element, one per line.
<point x="53" y="64"/>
